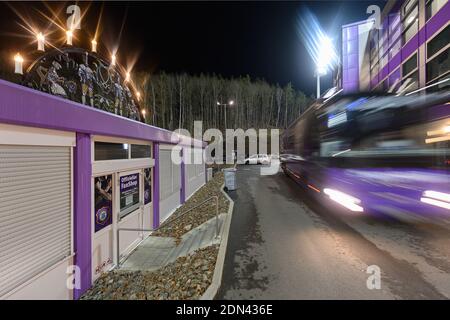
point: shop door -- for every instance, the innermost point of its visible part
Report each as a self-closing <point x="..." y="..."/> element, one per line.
<point x="129" y="209"/>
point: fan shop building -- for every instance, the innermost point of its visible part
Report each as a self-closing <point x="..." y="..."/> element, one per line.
<point x="70" y="176"/>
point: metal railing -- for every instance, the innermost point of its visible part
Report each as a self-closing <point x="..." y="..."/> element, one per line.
<point x="166" y="223"/>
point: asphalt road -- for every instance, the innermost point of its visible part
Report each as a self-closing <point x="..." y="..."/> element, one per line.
<point x="283" y="245"/>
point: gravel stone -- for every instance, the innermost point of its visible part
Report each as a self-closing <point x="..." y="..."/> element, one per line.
<point x="198" y="216"/>
<point x="176" y="281"/>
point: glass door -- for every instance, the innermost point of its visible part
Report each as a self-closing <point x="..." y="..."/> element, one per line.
<point x="130" y="205"/>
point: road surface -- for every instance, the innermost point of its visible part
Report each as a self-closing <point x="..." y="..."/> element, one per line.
<point x="282" y="245"/>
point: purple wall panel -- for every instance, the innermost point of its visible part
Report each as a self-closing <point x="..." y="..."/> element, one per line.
<point x="156" y="186"/>
<point x="82" y="211"/>
<point x="183" y="175"/>
<point x="350" y="58"/>
<point x="393" y="77"/>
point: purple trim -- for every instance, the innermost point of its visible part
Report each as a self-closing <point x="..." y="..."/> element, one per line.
<point x="24" y="106"/>
<point x="82" y="211"/>
<point x="183" y="175"/>
<point x="156" y="186"/>
<point x="427" y="31"/>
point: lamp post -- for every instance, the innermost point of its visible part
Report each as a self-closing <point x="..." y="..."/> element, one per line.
<point x="326" y="56"/>
<point x="319" y="72"/>
<point x="225" y="105"/>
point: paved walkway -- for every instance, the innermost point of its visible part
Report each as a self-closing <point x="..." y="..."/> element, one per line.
<point x="156" y="252"/>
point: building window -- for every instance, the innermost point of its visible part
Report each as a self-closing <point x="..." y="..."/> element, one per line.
<point x="410" y="65"/>
<point x="438" y="60"/>
<point x="433" y="6"/>
<point x="395" y="49"/>
<point x="110" y="151"/>
<point x="438" y="42"/>
<point x="413" y="81"/>
<point x="384" y="60"/>
<point x="140" y="151"/>
<point x="410" y="20"/>
<point x="439" y="66"/>
<point x="438" y="85"/>
<point x="410" y="74"/>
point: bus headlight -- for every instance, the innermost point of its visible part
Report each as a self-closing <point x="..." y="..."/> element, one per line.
<point x="344" y="199"/>
<point x="435" y="198"/>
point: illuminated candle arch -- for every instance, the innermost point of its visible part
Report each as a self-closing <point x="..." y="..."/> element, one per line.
<point x="85" y="77"/>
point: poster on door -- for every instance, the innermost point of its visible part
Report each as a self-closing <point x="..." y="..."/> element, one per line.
<point x="147" y="185"/>
<point x="129" y="192"/>
<point x="103" y="202"/>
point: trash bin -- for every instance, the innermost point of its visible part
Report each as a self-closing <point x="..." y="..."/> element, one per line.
<point x="210" y="174"/>
<point x="230" y="178"/>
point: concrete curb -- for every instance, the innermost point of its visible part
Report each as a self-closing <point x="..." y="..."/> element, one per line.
<point x="216" y="282"/>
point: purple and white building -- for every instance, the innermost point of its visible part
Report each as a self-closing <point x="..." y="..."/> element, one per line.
<point x="407" y="48"/>
<point x="70" y="176"/>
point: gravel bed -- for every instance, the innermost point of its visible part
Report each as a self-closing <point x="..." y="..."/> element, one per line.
<point x="185" y="279"/>
<point x="199" y="215"/>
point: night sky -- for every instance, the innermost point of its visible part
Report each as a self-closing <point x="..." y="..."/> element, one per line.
<point x="228" y="38"/>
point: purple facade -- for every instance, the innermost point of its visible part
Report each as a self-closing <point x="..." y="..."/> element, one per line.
<point x="350" y="58"/>
<point x="27" y="107"/>
<point x="433" y="25"/>
<point x="391" y="51"/>
<point x="182" y="177"/>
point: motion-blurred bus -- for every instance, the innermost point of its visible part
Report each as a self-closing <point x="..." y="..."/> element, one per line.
<point x="382" y="155"/>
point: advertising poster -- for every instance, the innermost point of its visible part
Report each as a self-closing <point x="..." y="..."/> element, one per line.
<point x="147" y="185"/>
<point x="103" y="202"/>
<point x="129" y="192"/>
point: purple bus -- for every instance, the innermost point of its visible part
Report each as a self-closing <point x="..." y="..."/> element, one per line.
<point x="382" y="155"/>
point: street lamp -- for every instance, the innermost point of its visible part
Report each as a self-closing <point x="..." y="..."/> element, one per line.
<point x="326" y="55"/>
<point x="225" y="105"/>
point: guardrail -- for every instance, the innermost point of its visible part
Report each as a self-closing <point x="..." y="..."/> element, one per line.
<point x="166" y="223"/>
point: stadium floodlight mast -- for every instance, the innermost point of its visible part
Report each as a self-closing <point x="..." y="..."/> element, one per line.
<point x="325" y="57"/>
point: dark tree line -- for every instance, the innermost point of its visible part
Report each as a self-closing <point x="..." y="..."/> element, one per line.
<point x="177" y="100"/>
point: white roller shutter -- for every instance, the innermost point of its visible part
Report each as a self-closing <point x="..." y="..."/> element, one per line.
<point x="165" y="174"/>
<point x="35" y="211"/>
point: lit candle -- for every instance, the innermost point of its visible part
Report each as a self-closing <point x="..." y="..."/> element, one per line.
<point x="127" y="77"/>
<point x="94" y="46"/>
<point x="143" y="112"/>
<point x="113" y="60"/>
<point x="138" y="95"/>
<point x="40" y="41"/>
<point x="69" y="35"/>
<point x="18" y="64"/>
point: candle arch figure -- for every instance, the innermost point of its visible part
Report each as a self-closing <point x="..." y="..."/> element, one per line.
<point x="85" y="77"/>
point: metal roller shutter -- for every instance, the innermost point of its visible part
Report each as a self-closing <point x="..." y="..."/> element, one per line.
<point x="35" y="211"/>
<point x="165" y="173"/>
<point x="170" y="179"/>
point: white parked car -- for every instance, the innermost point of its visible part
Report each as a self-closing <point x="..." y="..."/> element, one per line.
<point x="257" y="159"/>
